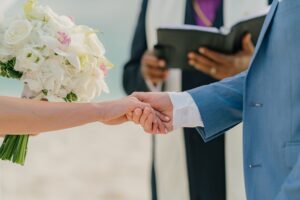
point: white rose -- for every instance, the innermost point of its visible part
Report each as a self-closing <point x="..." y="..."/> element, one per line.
<point x="17" y="32"/>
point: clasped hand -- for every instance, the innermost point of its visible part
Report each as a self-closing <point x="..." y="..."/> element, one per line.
<point x="153" y="111"/>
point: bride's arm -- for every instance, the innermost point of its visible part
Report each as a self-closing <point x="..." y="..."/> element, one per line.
<point x="32" y="117"/>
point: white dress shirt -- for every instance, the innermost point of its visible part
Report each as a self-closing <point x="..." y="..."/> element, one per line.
<point x="185" y="111"/>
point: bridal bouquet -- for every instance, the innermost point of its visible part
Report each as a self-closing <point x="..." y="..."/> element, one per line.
<point x="55" y="59"/>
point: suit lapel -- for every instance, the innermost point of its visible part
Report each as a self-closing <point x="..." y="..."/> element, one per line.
<point x="189" y="13"/>
<point x="265" y="28"/>
<point x="219" y="20"/>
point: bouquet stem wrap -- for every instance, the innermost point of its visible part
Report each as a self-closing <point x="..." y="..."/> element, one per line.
<point x="14" y="148"/>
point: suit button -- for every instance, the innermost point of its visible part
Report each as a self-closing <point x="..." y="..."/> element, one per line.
<point x="254" y="166"/>
<point x="258" y="105"/>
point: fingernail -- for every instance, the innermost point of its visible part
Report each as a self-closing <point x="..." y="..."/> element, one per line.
<point x="166" y="131"/>
<point x="202" y="50"/>
<point x="191" y="55"/>
<point x="191" y="62"/>
<point x="167" y="118"/>
<point x="162" y="63"/>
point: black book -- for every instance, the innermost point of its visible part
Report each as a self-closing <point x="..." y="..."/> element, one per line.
<point x="174" y="43"/>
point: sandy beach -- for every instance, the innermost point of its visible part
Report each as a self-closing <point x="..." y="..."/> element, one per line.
<point x="92" y="162"/>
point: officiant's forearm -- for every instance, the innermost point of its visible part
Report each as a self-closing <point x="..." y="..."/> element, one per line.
<point x="28" y="116"/>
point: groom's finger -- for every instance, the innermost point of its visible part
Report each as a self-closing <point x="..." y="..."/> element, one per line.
<point x="163" y="117"/>
<point x="137" y="115"/>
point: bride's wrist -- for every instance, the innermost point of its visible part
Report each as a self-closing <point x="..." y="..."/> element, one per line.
<point x="92" y="112"/>
<point x="100" y="110"/>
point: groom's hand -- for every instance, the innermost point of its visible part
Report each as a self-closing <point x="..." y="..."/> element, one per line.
<point x="116" y="112"/>
<point x="162" y="103"/>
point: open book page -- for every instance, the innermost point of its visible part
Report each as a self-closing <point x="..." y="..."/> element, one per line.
<point x="223" y="30"/>
<point x="191" y="27"/>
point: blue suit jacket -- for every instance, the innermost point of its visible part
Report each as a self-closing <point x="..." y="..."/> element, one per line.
<point x="267" y="99"/>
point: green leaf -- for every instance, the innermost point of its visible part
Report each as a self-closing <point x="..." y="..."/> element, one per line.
<point x="7" y="69"/>
<point x="45" y="92"/>
<point x="71" y="97"/>
<point x="11" y="63"/>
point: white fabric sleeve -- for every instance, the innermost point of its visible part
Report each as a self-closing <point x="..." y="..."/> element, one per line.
<point x="185" y="111"/>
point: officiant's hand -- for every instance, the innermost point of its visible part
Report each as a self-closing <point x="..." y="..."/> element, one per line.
<point x="153" y="68"/>
<point x="160" y="102"/>
<point x="220" y="65"/>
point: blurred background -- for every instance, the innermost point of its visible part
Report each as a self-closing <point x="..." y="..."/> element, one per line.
<point x="95" y="161"/>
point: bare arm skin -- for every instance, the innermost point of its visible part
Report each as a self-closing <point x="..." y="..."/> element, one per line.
<point x="21" y="116"/>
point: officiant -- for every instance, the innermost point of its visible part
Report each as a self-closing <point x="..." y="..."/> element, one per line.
<point x="184" y="167"/>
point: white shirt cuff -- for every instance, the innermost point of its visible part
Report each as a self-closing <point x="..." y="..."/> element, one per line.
<point x="185" y="111"/>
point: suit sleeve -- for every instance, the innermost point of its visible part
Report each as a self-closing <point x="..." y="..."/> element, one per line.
<point x="132" y="77"/>
<point x="220" y="105"/>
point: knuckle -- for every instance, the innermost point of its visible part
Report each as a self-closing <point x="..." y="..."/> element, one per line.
<point x="134" y="94"/>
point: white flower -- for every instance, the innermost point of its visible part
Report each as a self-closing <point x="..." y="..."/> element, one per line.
<point x="89" y="84"/>
<point x="33" y="11"/>
<point x="58" y="22"/>
<point x="17" y="32"/>
<point x="50" y="42"/>
<point x="33" y="81"/>
<point x="96" y="47"/>
<point x="52" y="76"/>
<point x="54" y="54"/>
<point x="29" y="59"/>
